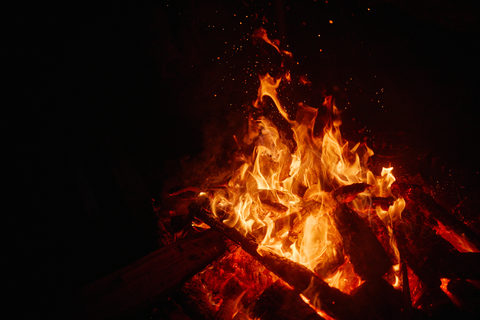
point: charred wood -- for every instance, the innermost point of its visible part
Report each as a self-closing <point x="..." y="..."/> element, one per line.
<point x="269" y="199"/>
<point x="381" y="232"/>
<point x="193" y="299"/>
<point x="466" y="294"/>
<point x="434" y="251"/>
<point x="383" y="202"/>
<point x="406" y="297"/>
<point x="438" y="305"/>
<point x="155" y="275"/>
<point x="228" y="308"/>
<point x="432" y="209"/>
<point x="345" y="194"/>
<point x="279" y="302"/>
<point x="423" y="271"/>
<point x="379" y="299"/>
<point x="366" y="253"/>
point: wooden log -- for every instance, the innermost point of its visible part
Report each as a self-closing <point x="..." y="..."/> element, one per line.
<point x="466" y="294"/>
<point x="279" y="302"/>
<point x="406" y="297"/>
<point x="345" y="194"/>
<point x="379" y="299"/>
<point x="366" y="253"/>
<point x="431" y="208"/>
<point x="331" y="300"/>
<point x="269" y="199"/>
<point x="438" y="305"/>
<point x="437" y="253"/>
<point x="194" y="300"/>
<point x="423" y="271"/>
<point x="155" y="275"/>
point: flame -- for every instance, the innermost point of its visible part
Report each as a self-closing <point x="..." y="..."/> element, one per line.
<point x="283" y="181"/>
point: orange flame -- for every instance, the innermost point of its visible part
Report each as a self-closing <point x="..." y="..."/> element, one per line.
<point x="284" y="181"/>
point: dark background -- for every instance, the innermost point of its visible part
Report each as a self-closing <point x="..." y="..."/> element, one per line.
<point x="130" y="93"/>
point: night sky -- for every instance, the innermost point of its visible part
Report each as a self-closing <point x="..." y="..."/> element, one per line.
<point x="151" y="83"/>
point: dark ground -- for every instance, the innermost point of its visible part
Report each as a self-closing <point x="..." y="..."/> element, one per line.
<point x="128" y="92"/>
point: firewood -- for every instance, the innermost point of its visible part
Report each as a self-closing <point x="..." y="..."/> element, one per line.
<point x="345" y="194"/>
<point x="228" y="308"/>
<point x="438" y="305"/>
<point x="441" y="257"/>
<point x="193" y="298"/>
<point x="279" y="302"/>
<point x="331" y="300"/>
<point x="423" y="271"/>
<point x="467" y="295"/>
<point x="431" y="208"/>
<point x="379" y="299"/>
<point x="366" y="253"/>
<point x="269" y="198"/>
<point x="147" y="279"/>
<point x="383" y="202"/>
<point x="406" y="296"/>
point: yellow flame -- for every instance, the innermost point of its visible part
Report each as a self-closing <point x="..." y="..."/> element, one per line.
<point x="283" y="179"/>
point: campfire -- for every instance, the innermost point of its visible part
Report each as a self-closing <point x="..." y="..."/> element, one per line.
<point x="301" y="228"/>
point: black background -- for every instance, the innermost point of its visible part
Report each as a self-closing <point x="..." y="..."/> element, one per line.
<point x="157" y="78"/>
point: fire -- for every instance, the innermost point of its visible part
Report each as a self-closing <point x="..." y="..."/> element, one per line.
<point x="283" y="193"/>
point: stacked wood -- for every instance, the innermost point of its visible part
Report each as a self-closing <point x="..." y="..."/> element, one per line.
<point x="366" y="253"/>
<point x="414" y="193"/>
<point x="152" y="277"/>
<point x="440" y="255"/>
<point x="331" y="300"/>
<point x="429" y="255"/>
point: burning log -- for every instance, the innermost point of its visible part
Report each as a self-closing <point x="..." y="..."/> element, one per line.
<point x="321" y="295"/>
<point x="379" y="299"/>
<point x="423" y="271"/>
<point x="147" y="279"/>
<point x="466" y="294"/>
<point x="366" y="253"/>
<point x="268" y="197"/>
<point x="427" y="204"/>
<point x="440" y="256"/>
<point x="279" y="302"/>
<point x="384" y="202"/>
<point x="345" y="194"/>
<point x="193" y="298"/>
